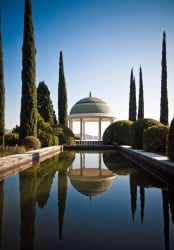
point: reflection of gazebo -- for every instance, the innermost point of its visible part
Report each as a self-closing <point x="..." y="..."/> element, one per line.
<point x="91" y="181"/>
<point x="90" y="109"/>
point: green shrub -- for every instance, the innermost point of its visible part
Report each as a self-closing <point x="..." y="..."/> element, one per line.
<point x="138" y="128"/>
<point x="48" y="140"/>
<point x="119" y="131"/>
<point x="50" y="136"/>
<point x="170" y="148"/>
<point x="46" y="133"/>
<point x="31" y="142"/>
<point x="65" y="135"/>
<point x="155" y="139"/>
<point x="11" y="139"/>
<point x="107" y="135"/>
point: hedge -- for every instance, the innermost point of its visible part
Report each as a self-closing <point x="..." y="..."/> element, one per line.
<point x="119" y="132"/>
<point x="138" y="128"/>
<point x="170" y="149"/>
<point x="65" y="135"/>
<point x="46" y="133"/>
<point x="11" y="139"/>
<point x="155" y="139"/>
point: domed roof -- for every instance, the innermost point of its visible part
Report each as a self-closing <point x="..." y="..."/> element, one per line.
<point x="90" y="106"/>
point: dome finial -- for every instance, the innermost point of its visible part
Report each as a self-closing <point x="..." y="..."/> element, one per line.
<point x="90" y="94"/>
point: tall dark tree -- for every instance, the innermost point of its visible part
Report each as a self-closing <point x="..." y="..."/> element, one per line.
<point x="44" y="104"/>
<point x="164" y="94"/>
<point x="28" y="115"/>
<point x="132" y="98"/>
<point x="2" y="92"/>
<point x="141" y="96"/>
<point x="62" y="94"/>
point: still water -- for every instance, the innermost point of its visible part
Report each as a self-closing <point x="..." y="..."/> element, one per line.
<point x="86" y="201"/>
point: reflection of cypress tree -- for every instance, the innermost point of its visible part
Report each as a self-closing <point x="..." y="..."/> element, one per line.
<point x="44" y="189"/>
<point x="62" y="192"/>
<point x="28" y="188"/>
<point x="166" y="218"/>
<point x="133" y="194"/>
<point x="45" y="175"/>
<point x="142" y="200"/>
<point x="1" y="207"/>
<point x="171" y="202"/>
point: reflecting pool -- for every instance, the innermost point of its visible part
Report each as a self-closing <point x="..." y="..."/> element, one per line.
<point x="86" y="200"/>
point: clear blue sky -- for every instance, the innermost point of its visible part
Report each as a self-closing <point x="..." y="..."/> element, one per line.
<point x="101" y="41"/>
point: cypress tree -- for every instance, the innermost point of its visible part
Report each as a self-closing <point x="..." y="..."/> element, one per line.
<point x="28" y="115"/>
<point x="2" y="93"/>
<point x="130" y="95"/>
<point x="164" y="94"/>
<point x="44" y="104"/>
<point x="171" y="141"/>
<point x="132" y="98"/>
<point x="141" y="96"/>
<point x="62" y="94"/>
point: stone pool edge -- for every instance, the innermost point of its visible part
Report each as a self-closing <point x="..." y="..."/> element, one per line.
<point x="12" y="164"/>
<point x="152" y="162"/>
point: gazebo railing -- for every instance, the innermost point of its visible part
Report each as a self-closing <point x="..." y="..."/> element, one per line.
<point x="88" y="142"/>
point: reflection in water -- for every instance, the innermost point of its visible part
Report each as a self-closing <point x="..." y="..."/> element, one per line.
<point x="166" y="217"/>
<point x="35" y="185"/>
<point x="136" y="178"/>
<point x="142" y="201"/>
<point x="133" y="194"/>
<point x="62" y="192"/>
<point x="90" y="181"/>
<point x="28" y="194"/>
<point x="1" y="207"/>
<point x="65" y="161"/>
<point x="143" y="180"/>
<point x="45" y="176"/>
<point x="171" y="202"/>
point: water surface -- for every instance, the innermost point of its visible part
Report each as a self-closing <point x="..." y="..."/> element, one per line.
<point x="86" y="201"/>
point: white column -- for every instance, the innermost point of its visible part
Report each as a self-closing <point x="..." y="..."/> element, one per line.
<point x="71" y="124"/>
<point x="99" y="129"/>
<point x="81" y="129"/>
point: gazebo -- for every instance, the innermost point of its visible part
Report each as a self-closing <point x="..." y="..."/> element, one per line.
<point x="90" y="109"/>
